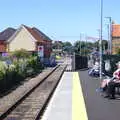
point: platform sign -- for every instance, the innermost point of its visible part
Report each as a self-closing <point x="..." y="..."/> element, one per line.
<point x="41" y="51"/>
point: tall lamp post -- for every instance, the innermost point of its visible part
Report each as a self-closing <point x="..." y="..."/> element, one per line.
<point x="110" y="34"/>
<point x="108" y="39"/>
<point x="100" y="42"/>
<point x="80" y="43"/>
<point x="98" y="38"/>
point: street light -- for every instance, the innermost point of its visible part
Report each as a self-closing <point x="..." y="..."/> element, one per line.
<point x="100" y="42"/>
<point x="98" y="30"/>
<point x="80" y="44"/>
<point x="108" y="29"/>
<point x="110" y="34"/>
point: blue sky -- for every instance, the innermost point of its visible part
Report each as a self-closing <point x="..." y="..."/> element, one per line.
<point x="59" y="19"/>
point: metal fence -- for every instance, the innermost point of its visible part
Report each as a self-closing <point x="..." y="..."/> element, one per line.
<point x="79" y="62"/>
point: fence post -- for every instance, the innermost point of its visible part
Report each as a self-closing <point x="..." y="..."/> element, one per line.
<point x="73" y="62"/>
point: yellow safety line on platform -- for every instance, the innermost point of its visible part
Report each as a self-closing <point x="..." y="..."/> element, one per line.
<point x="78" y="104"/>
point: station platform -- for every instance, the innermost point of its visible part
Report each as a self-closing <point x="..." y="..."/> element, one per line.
<point x="67" y="102"/>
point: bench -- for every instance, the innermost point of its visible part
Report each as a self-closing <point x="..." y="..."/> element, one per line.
<point x="117" y="89"/>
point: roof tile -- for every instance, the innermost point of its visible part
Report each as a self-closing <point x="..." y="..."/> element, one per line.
<point x="7" y="33"/>
<point x="34" y="34"/>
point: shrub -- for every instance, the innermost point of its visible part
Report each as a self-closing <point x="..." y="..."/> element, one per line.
<point x="17" y="70"/>
<point x="32" y="63"/>
<point x="22" y="53"/>
<point x="118" y="51"/>
<point x="3" y="68"/>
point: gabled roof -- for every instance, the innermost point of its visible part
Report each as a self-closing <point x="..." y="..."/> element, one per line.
<point x="41" y="34"/>
<point x="34" y="32"/>
<point x="7" y="33"/>
<point x="116" y="30"/>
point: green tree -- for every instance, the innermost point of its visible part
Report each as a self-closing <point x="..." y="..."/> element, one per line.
<point x="67" y="47"/>
<point x="68" y="44"/>
<point x="82" y="47"/>
<point x="22" y="53"/>
<point x="118" y="51"/>
<point x="104" y="44"/>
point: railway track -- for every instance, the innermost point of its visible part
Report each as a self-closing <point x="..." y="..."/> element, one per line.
<point x="32" y="104"/>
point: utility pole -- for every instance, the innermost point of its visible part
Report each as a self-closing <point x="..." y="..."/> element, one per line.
<point x="110" y="34"/>
<point x="98" y="38"/>
<point x="108" y="39"/>
<point x="100" y="42"/>
<point x="86" y="46"/>
<point x="80" y="43"/>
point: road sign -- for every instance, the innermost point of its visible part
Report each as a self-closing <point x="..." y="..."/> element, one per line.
<point x="41" y="51"/>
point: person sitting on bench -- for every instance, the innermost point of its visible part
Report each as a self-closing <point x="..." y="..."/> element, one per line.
<point x="110" y="91"/>
<point x="108" y="85"/>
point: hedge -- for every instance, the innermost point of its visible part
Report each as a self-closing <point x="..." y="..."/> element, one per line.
<point x="17" y="72"/>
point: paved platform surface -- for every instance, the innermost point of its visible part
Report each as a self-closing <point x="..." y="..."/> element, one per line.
<point x="67" y="102"/>
<point x="76" y="99"/>
<point x="60" y="106"/>
<point x="98" y="107"/>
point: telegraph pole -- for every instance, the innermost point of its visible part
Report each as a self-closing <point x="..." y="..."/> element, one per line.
<point x="80" y="43"/>
<point x="98" y="38"/>
<point x="110" y="34"/>
<point x="100" y="42"/>
<point x="108" y="39"/>
<point x="86" y="46"/>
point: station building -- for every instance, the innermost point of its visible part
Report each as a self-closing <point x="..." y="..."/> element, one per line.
<point x="24" y="38"/>
<point x="115" y="38"/>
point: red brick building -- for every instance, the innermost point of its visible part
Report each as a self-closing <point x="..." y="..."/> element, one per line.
<point x="2" y="46"/>
<point x="5" y="35"/>
<point x="115" y="38"/>
<point x="24" y="37"/>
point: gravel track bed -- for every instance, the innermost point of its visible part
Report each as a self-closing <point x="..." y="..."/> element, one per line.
<point x="31" y="107"/>
<point x="7" y="101"/>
